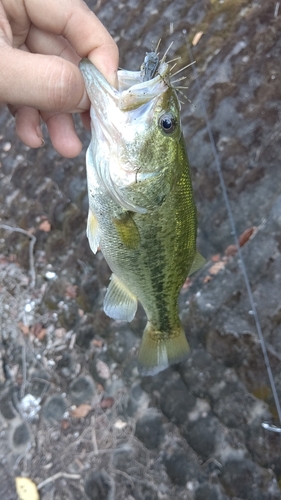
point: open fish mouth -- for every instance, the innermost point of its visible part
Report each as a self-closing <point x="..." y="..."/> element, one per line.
<point x="120" y="119"/>
<point x="132" y="90"/>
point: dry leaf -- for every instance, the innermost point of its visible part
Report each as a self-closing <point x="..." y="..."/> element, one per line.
<point x="81" y="411"/>
<point x="246" y="235"/>
<point x="98" y="343"/>
<point x="71" y="291"/>
<point x="26" y="489"/>
<point x="216" y="268"/>
<point x="207" y="279"/>
<point x="23" y="328"/>
<point x="197" y="37"/>
<point x="45" y="226"/>
<point x="231" y="250"/>
<point x="38" y="331"/>
<point x="216" y="257"/>
<point x="106" y="403"/>
<point x="64" y="423"/>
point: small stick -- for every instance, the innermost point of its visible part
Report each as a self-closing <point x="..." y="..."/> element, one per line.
<point x="94" y="437"/>
<point x="56" y="476"/>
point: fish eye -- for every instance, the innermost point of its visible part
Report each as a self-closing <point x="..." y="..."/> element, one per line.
<point x="168" y="123"/>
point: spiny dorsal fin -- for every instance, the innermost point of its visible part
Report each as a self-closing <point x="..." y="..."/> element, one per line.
<point x="198" y="262"/>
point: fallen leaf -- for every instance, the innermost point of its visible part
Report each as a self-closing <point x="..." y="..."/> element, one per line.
<point x="26" y="489"/>
<point x="246" y="235"/>
<point x="64" y="424"/>
<point x="207" y="279"/>
<point x="71" y="291"/>
<point x="216" y="268"/>
<point x="38" y="331"/>
<point x="197" y="37"/>
<point x="216" y="257"/>
<point x="45" y="226"/>
<point x="231" y="250"/>
<point x="106" y="403"/>
<point x="23" y="328"/>
<point x="97" y="343"/>
<point x="81" y="411"/>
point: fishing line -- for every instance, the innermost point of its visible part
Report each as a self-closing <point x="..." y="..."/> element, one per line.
<point x="240" y="256"/>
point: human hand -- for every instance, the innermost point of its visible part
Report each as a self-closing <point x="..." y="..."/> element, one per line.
<point x="41" y="44"/>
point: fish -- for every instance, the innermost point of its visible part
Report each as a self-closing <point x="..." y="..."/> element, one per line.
<point x="142" y="213"/>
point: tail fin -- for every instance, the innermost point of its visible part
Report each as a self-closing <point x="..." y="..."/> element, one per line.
<point x="159" y="350"/>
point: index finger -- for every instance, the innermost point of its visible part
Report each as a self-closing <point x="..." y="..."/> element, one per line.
<point x="79" y="25"/>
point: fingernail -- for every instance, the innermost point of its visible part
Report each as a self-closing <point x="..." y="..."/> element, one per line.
<point x="40" y="135"/>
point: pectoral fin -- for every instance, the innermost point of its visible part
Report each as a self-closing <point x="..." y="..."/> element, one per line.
<point x="127" y="230"/>
<point x="198" y="262"/>
<point x="119" y="302"/>
<point x="93" y="232"/>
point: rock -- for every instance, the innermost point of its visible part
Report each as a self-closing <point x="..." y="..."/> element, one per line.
<point x="149" y="429"/>
<point x="7" y="408"/>
<point x="54" y="408"/>
<point x="246" y="480"/>
<point x="181" y="465"/>
<point x="120" y="343"/>
<point x="99" y="486"/>
<point x="208" y="491"/>
<point x="81" y="390"/>
<point x="176" y="400"/>
<point x="85" y="335"/>
<point x="20" y="437"/>
<point x="123" y="457"/>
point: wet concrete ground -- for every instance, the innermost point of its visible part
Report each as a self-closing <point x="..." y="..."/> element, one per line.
<point x="194" y="431"/>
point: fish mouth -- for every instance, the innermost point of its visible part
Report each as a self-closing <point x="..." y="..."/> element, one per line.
<point x="132" y="91"/>
<point x="118" y="117"/>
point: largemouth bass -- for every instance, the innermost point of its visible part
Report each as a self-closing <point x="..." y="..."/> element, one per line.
<point x="142" y="213"/>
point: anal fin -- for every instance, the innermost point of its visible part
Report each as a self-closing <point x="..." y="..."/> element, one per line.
<point x="119" y="302"/>
<point x="93" y="231"/>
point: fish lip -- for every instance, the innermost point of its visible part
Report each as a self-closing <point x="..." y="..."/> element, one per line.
<point x="132" y="91"/>
<point x="143" y="92"/>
